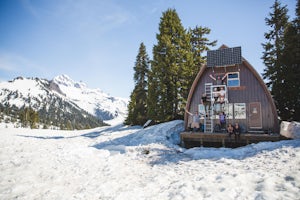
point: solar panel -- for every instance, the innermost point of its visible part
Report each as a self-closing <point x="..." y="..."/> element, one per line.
<point x="224" y="57"/>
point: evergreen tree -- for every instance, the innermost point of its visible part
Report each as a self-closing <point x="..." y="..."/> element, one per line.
<point x="152" y="98"/>
<point x="172" y="57"/>
<point x="28" y="116"/>
<point x="137" y="109"/>
<point x="33" y="118"/>
<point x="273" y="48"/>
<point x="288" y="101"/>
<point x="274" y="72"/>
<point x="24" y="116"/>
<point x="282" y="58"/>
<point x="69" y="125"/>
<point x="200" y="44"/>
<point x="131" y="110"/>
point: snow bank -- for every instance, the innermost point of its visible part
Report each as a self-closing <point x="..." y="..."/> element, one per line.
<point x="239" y="153"/>
<point x="290" y="129"/>
<point x="167" y="134"/>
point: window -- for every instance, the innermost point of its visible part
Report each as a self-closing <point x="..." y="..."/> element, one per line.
<point x="233" y="79"/>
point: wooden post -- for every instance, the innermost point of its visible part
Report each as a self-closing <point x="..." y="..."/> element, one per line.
<point x="223" y="142"/>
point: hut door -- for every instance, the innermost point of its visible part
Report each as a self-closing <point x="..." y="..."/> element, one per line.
<point x="255" y="115"/>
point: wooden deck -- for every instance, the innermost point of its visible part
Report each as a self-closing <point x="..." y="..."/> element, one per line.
<point x="199" y="139"/>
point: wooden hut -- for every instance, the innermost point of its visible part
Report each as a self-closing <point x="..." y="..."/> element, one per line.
<point x="235" y="88"/>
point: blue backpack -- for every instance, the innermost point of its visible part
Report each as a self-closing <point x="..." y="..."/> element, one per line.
<point x="222" y="118"/>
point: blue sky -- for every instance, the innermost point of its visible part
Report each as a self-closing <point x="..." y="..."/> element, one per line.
<point x="97" y="41"/>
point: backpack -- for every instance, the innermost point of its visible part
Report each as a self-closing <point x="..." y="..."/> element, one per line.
<point x="222" y="118"/>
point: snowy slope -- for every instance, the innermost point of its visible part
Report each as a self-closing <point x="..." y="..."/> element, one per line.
<point x="40" y="93"/>
<point x="93" y="101"/>
<point x="132" y="163"/>
<point x="20" y="90"/>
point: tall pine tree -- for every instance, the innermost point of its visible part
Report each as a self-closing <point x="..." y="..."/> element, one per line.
<point x="177" y="58"/>
<point x="200" y="43"/>
<point x="282" y="60"/>
<point x="289" y="102"/>
<point x="171" y="58"/>
<point x="137" y="107"/>
<point x="274" y="72"/>
<point x="273" y="48"/>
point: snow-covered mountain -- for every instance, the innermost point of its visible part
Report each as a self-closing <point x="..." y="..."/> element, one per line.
<point x="62" y="95"/>
<point x="94" y="101"/>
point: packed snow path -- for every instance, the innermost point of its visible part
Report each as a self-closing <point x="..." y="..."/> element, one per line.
<point x="133" y="163"/>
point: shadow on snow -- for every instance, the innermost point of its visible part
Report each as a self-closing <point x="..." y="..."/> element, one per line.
<point x="43" y="137"/>
<point x="107" y="131"/>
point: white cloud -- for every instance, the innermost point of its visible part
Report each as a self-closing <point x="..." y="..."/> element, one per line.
<point x="30" y="8"/>
<point x="10" y="62"/>
<point x="83" y="16"/>
<point x="6" y="63"/>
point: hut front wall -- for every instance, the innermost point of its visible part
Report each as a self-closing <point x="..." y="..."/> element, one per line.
<point x="249" y="91"/>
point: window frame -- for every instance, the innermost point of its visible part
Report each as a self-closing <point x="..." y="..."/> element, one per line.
<point x="233" y="79"/>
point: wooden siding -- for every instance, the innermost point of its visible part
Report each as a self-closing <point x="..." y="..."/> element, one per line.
<point x="252" y="89"/>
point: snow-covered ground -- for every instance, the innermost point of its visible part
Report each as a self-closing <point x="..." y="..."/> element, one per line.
<point x="121" y="162"/>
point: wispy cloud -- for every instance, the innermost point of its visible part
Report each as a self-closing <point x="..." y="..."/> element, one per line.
<point x="30" y="8"/>
<point x="7" y="63"/>
<point x="94" y="15"/>
<point x="14" y="63"/>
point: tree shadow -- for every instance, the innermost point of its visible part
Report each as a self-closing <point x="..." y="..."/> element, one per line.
<point x="127" y="140"/>
<point x="166" y="156"/>
<point x="107" y="131"/>
<point x="43" y="137"/>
